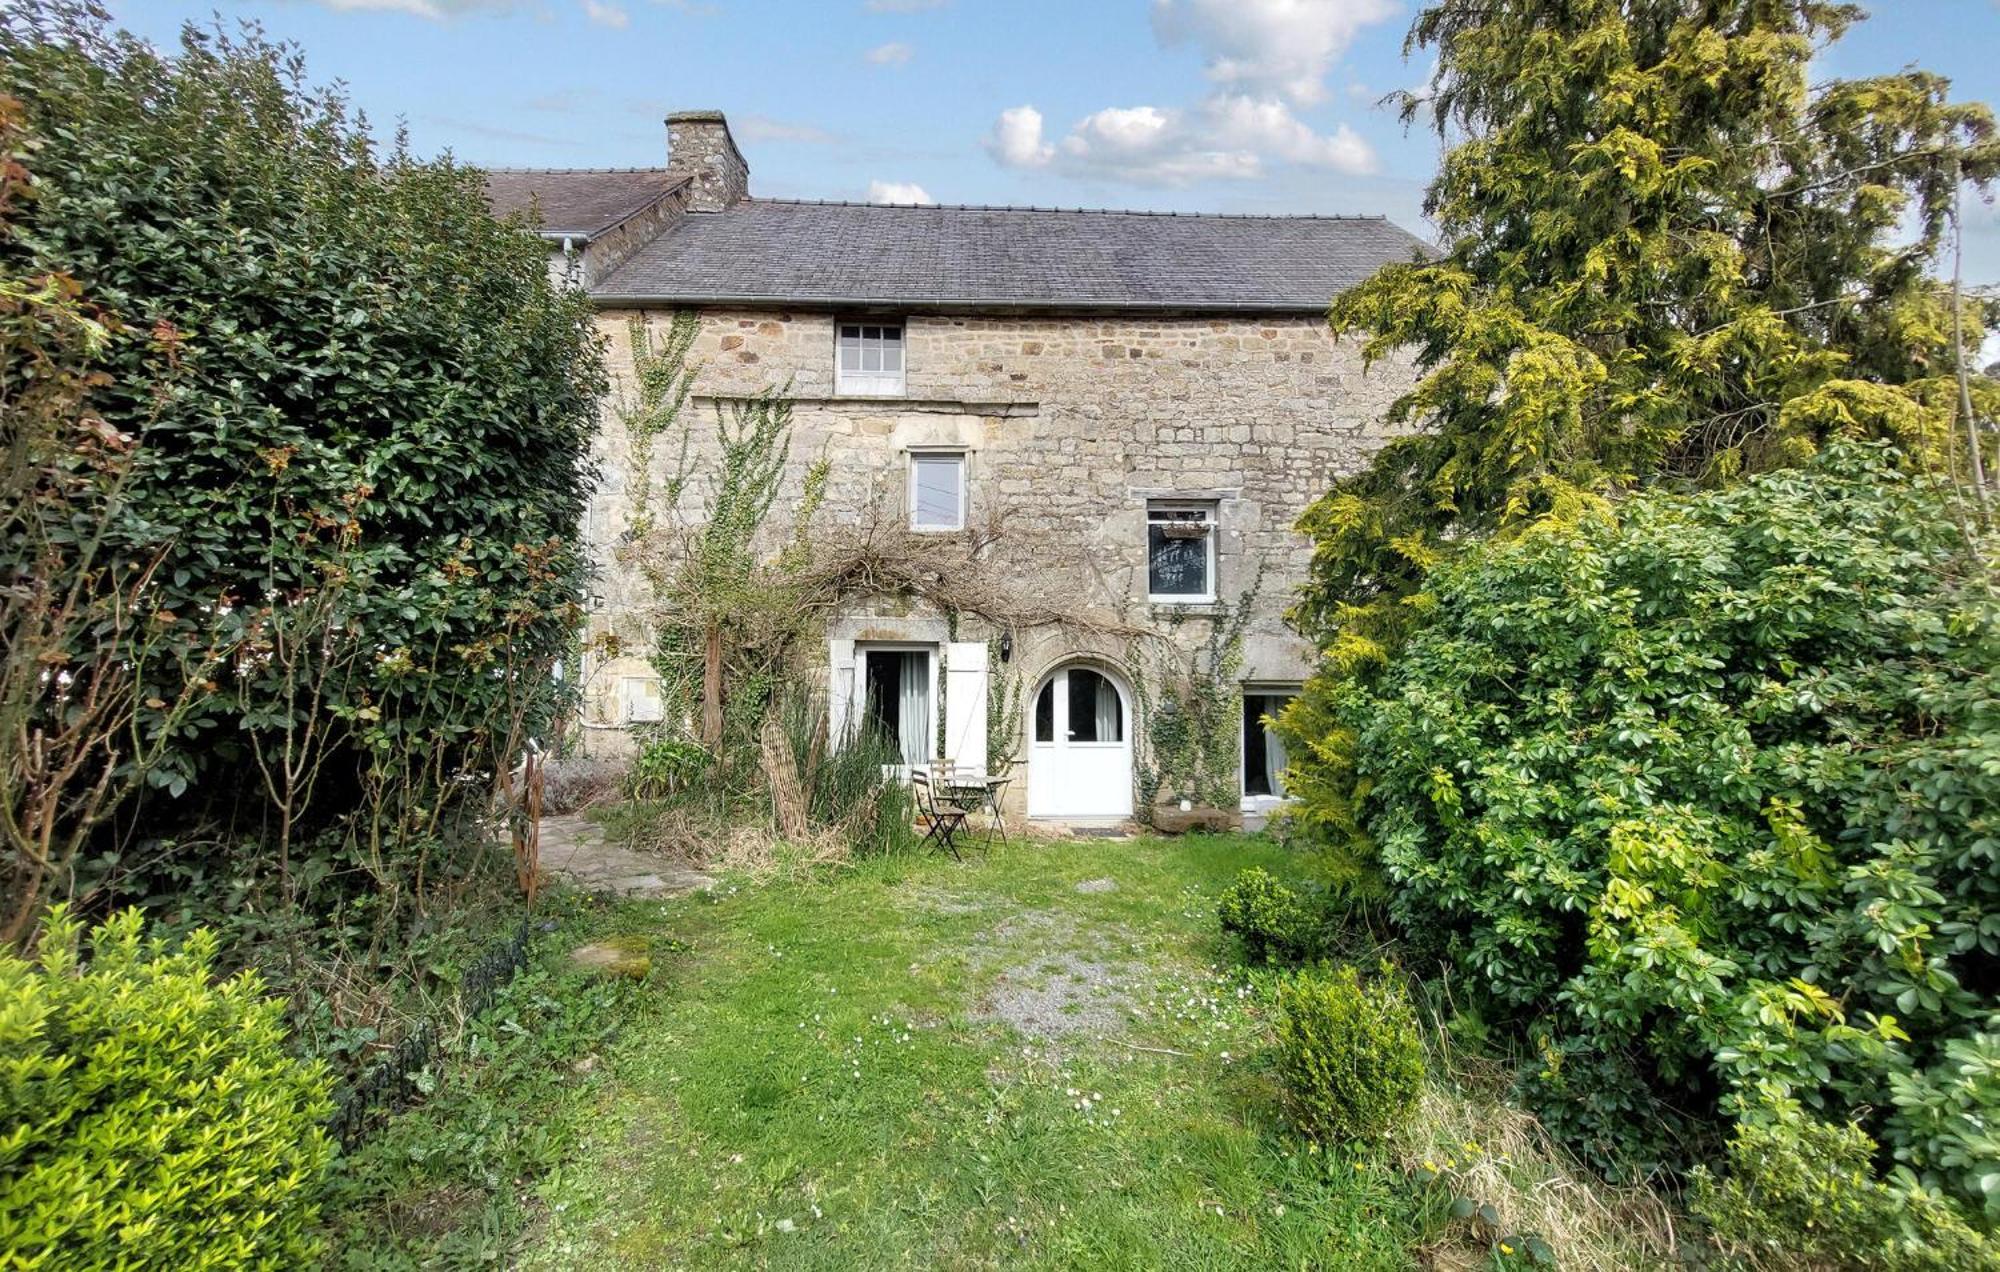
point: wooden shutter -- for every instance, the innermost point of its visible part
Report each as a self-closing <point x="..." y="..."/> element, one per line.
<point x="965" y="704"/>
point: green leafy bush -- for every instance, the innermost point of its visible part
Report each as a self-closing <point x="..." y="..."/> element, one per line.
<point x="361" y="413"/>
<point x="1268" y="917"/>
<point x="1349" y="1053"/>
<point x="151" y="1115"/>
<point x="665" y="766"/>
<point x="1711" y="786"/>
<point x="1801" y="1192"/>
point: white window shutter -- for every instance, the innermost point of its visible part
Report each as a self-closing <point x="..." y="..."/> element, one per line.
<point x="844" y="688"/>
<point x="965" y="704"/>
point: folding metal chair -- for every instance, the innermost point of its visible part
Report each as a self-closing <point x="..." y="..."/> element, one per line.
<point x="942" y="821"/>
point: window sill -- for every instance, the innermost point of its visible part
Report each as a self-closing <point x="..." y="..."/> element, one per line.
<point x="1207" y="605"/>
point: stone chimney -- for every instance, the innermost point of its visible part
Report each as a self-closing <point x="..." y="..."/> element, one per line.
<point x="698" y="143"/>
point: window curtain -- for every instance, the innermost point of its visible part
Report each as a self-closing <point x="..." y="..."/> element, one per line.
<point x="1274" y="752"/>
<point x="913" y="710"/>
<point x="1107" y="712"/>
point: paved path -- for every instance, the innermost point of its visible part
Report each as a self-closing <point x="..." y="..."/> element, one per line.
<point x="575" y="849"/>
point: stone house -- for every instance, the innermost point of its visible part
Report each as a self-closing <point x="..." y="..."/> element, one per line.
<point x="1126" y="411"/>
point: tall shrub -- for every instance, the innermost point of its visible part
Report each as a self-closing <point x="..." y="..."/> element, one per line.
<point x="365" y="472"/>
<point x="1704" y="797"/>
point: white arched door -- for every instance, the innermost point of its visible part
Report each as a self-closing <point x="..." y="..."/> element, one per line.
<point x="1080" y="747"/>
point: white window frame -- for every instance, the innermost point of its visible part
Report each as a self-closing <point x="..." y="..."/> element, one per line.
<point x="871" y="336"/>
<point x="964" y="486"/>
<point x="1209" y="518"/>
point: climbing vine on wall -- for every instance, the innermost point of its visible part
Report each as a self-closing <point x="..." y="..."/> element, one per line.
<point x="1191" y="703"/>
<point x="662" y="379"/>
<point x="1004" y="699"/>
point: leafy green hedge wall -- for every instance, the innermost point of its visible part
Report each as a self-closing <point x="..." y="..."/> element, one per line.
<point x="1705" y="800"/>
<point x="350" y="384"/>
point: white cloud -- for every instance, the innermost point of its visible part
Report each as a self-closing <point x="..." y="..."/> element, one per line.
<point x="1016" y="140"/>
<point x="1268" y="126"/>
<point x="1226" y="137"/>
<point x="1264" y="57"/>
<point x="898" y="192"/>
<point x="604" y="14"/>
<point x="1269" y="47"/>
<point x="894" y="53"/>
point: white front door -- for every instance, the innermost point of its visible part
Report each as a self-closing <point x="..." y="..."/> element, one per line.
<point x="1080" y="747"/>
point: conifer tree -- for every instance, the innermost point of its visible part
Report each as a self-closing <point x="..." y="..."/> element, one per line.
<point x="1666" y="254"/>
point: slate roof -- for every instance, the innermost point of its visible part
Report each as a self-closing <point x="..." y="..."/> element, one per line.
<point x="941" y="258"/>
<point x="578" y="202"/>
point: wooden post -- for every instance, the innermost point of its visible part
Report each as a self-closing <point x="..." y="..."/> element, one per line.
<point x="711" y="688"/>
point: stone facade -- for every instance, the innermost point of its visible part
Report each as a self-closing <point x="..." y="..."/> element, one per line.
<point x="1069" y="426"/>
<point x="610" y="249"/>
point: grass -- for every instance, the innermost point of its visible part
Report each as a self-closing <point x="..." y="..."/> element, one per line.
<point x="913" y="1062"/>
<point x="833" y="1077"/>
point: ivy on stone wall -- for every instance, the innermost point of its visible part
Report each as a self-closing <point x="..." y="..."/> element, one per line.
<point x="662" y="379"/>
<point x="1005" y="700"/>
<point x="1191" y="702"/>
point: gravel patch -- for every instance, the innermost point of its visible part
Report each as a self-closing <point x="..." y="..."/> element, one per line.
<point x="1044" y="986"/>
<point x="1097" y="885"/>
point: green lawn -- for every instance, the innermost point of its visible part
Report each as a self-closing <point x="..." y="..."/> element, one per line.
<point x="922" y="1063"/>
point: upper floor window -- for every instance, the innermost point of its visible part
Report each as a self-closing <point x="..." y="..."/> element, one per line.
<point x="869" y="360"/>
<point x="937" y="490"/>
<point x="1180" y="552"/>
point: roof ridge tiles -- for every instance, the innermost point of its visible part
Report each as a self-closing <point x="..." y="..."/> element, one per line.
<point x="557" y="172"/>
<point x="1017" y="207"/>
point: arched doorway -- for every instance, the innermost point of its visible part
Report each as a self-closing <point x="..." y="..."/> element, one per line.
<point x="1080" y="746"/>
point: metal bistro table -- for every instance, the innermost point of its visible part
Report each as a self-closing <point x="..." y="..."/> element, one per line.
<point x="974" y="790"/>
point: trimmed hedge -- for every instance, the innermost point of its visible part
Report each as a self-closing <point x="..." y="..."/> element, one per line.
<point x="1349" y="1053"/>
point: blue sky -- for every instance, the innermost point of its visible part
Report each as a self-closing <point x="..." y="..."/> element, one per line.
<point x="1192" y="105"/>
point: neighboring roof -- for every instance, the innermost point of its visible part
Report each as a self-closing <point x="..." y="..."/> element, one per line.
<point x="578" y="203"/>
<point x="855" y="254"/>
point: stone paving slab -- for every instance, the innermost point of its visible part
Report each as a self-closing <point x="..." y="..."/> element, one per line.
<point x="574" y="848"/>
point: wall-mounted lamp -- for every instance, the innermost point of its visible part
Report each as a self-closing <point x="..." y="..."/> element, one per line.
<point x="1006" y="646"/>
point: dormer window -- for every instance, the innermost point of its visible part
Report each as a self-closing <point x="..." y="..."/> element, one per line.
<point x="869" y="359"/>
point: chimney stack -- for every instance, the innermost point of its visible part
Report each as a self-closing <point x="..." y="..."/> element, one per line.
<point x="698" y="143"/>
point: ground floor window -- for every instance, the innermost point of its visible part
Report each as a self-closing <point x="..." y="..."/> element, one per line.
<point x="1263" y="751"/>
<point x="898" y="702"/>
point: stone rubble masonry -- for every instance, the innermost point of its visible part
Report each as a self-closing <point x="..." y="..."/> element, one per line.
<point x="1070" y="425"/>
<point x="698" y="143"/>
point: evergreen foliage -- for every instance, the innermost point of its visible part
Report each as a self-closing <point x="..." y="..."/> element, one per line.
<point x="1349" y="1053"/>
<point x="1704" y="798"/>
<point x="1666" y="252"/>
<point x="358" y="405"/>
<point x="152" y="1115"/>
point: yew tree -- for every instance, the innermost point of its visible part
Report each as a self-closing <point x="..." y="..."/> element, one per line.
<point x="1667" y="254"/>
